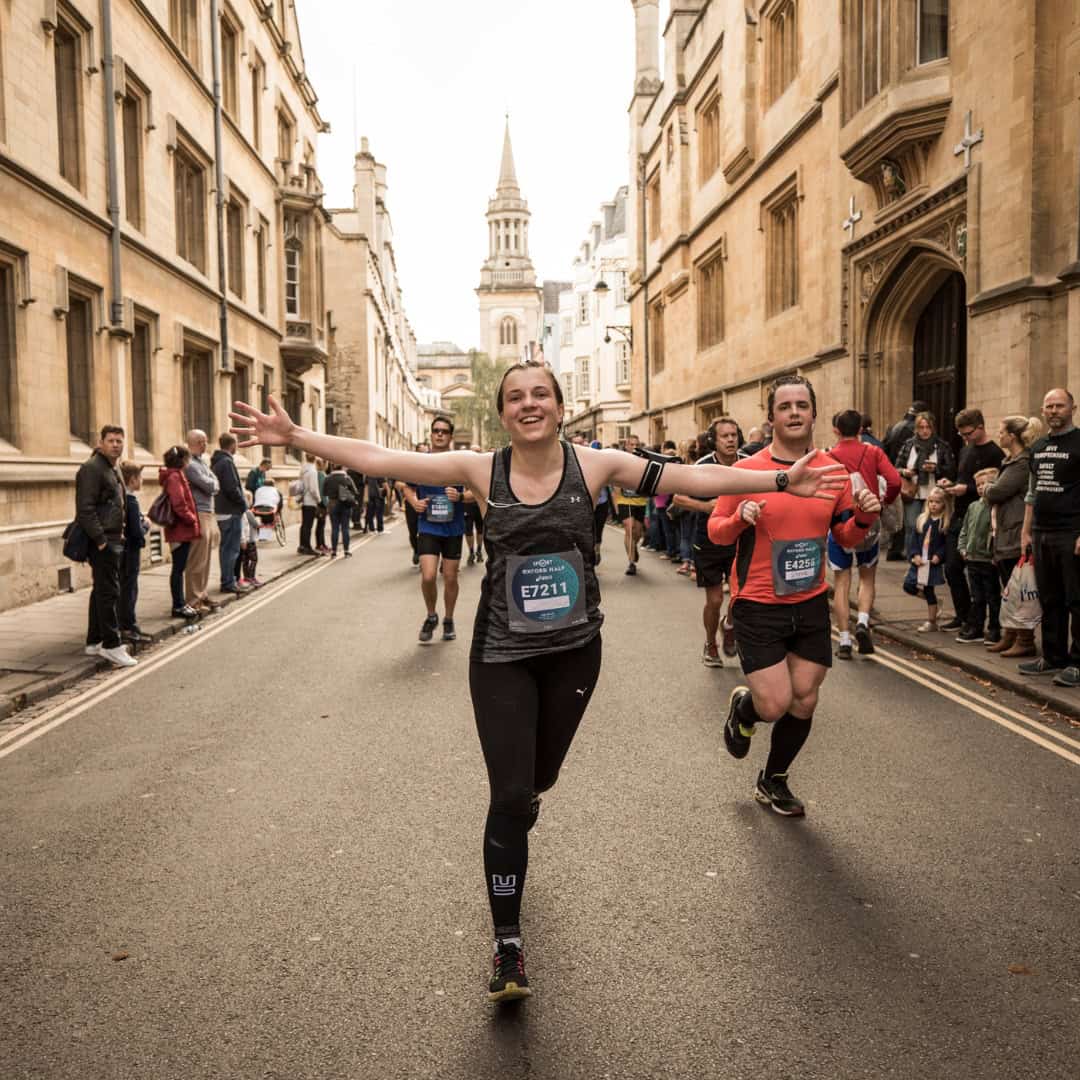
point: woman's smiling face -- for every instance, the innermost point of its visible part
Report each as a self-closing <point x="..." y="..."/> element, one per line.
<point x="530" y="408"/>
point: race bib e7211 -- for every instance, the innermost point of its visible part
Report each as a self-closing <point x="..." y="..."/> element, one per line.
<point x="545" y="592"/>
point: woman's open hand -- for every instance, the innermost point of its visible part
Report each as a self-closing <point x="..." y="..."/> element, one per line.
<point x="823" y="482"/>
<point x="254" y="428"/>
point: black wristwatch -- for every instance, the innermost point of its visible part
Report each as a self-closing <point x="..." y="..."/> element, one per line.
<point x="781" y="480"/>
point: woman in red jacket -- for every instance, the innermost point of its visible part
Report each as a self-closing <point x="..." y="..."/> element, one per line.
<point x="185" y="526"/>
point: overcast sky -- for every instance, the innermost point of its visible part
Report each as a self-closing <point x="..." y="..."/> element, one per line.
<point x="434" y="81"/>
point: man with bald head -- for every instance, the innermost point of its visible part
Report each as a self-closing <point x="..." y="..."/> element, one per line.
<point x="1051" y="531"/>
<point x="204" y="486"/>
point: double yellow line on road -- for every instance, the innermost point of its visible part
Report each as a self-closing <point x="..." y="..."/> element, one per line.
<point x="1014" y="721"/>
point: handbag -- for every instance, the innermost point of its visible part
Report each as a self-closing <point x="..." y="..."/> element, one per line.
<point x="1020" y="606"/>
<point x="161" y="511"/>
<point x="76" y="543"/>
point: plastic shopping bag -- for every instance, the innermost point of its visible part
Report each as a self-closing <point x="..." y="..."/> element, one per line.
<point x="1020" y="607"/>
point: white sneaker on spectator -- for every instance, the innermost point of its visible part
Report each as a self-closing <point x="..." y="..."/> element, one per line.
<point x="93" y="650"/>
<point x="119" y="657"/>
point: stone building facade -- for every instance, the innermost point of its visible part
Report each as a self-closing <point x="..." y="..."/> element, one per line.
<point x="372" y="387"/>
<point x="595" y="332"/>
<point x="509" y="298"/>
<point x="112" y="295"/>
<point x="882" y="194"/>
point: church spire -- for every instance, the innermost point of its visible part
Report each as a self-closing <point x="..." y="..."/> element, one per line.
<point x="507" y="176"/>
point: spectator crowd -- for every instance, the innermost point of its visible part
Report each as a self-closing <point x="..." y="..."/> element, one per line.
<point x="994" y="526"/>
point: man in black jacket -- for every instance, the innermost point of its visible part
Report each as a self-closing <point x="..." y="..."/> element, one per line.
<point x="99" y="510"/>
<point x="230" y="505"/>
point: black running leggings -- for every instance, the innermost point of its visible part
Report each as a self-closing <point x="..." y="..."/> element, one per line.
<point x="527" y="712"/>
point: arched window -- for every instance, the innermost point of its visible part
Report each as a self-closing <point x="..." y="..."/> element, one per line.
<point x="508" y="331"/>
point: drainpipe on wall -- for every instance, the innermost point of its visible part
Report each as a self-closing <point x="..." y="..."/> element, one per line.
<point x="644" y="280"/>
<point x="116" y="297"/>
<point x="219" y="183"/>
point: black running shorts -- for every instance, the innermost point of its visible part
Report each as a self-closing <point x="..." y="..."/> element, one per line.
<point x="473" y="518"/>
<point x="449" y="547"/>
<point x="766" y="633"/>
<point x="625" y="510"/>
<point x="713" y="565"/>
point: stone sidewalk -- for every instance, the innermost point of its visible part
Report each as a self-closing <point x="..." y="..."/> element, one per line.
<point x="896" y="615"/>
<point x="41" y="645"/>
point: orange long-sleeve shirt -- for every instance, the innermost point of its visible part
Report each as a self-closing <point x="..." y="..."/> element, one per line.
<point x="781" y="559"/>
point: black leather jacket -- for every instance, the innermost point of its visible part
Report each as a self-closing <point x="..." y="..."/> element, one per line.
<point x="99" y="499"/>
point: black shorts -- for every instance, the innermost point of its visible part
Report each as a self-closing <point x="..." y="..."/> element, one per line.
<point x="449" y="547"/>
<point x="713" y="565"/>
<point x="625" y="511"/>
<point x="473" y="519"/>
<point x="766" y="633"/>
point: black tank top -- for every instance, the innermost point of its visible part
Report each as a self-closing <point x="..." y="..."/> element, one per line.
<point x="540" y="594"/>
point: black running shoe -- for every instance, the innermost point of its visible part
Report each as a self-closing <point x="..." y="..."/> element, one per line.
<point x="428" y="629"/>
<point x="738" y="744"/>
<point x="479" y="555"/>
<point x="631" y="569"/>
<point x="448" y="631"/>
<point x="864" y="638"/>
<point x="472" y="558"/>
<point x="843" y="650"/>
<point x="773" y="791"/>
<point x="508" y="979"/>
<point x="953" y="624"/>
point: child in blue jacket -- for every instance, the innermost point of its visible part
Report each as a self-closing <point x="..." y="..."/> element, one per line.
<point x="136" y="527"/>
<point x="926" y="553"/>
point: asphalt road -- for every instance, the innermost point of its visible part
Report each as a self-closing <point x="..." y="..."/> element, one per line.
<point x="279" y="831"/>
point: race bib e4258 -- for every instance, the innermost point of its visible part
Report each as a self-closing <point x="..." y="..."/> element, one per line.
<point x="797" y="565"/>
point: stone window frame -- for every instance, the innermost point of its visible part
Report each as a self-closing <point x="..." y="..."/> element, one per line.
<point x="656" y="336"/>
<point x="237" y="215"/>
<point x="184" y="17"/>
<point x="709" y="286"/>
<point x="9" y="344"/>
<point x="85" y="294"/>
<point x="780" y="224"/>
<point x="919" y="61"/>
<point x="583" y="313"/>
<point x="568" y="386"/>
<point x="295" y="261"/>
<point x="71" y="137"/>
<point x="622" y="363"/>
<point x="261" y="231"/>
<point x="195" y="347"/>
<point x="286" y="124"/>
<point x="782" y="52"/>
<point x="241" y="377"/>
<point x="231" y="27"/>
<point x="143" y="318"/>
<point x="566" y="335"/>
<point x="898" y="58"/>
<point x="136" y="94"/>
<point x="652" y="204"/>
<point x="196" y="166"/>
<point x="708" y="127"/>
<point x="583" y="376"/>
<point x="257" y="87"/>
<point x="508" y="330"/>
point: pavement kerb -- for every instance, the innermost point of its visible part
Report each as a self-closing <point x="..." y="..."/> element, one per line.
<point x="55" y="684"/>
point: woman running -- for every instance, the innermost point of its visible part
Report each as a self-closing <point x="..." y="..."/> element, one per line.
<point x="536" y="645"/>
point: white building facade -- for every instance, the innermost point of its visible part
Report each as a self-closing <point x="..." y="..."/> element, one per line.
<point x="594" y="331"/>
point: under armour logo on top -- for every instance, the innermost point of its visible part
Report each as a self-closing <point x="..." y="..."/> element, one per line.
<point x="504" y="885"/>
<point x="575" y="498"/>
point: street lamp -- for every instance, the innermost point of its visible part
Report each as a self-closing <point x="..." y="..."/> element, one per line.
<point x="626" y="331"/>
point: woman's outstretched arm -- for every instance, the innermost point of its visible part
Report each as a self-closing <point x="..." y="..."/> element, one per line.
<point x="275" y="428"/>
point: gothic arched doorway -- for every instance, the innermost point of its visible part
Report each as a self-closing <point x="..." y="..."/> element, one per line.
<point x="915" y="339"/>
<point x="940" y="355"/>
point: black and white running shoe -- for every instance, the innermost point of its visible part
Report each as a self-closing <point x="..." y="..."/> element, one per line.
<point x="508" y="979"/>
<point x="773" y="791"/>
<point x="428" y="629"/>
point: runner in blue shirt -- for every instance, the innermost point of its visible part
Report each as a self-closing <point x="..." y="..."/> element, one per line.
<point x="441" y="527"/>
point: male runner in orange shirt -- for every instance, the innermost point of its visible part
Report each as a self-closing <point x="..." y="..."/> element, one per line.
<point x="780" y="597"/>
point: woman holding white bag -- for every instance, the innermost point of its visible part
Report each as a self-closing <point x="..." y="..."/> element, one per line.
<point x="1006" y="497"/>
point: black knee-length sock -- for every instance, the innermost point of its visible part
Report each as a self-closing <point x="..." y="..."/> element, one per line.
<point x="789" y="734"/>
<point x="506" y="858"/>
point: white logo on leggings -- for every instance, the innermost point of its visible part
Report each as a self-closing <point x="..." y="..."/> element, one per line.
<point x="504" y="886"/>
